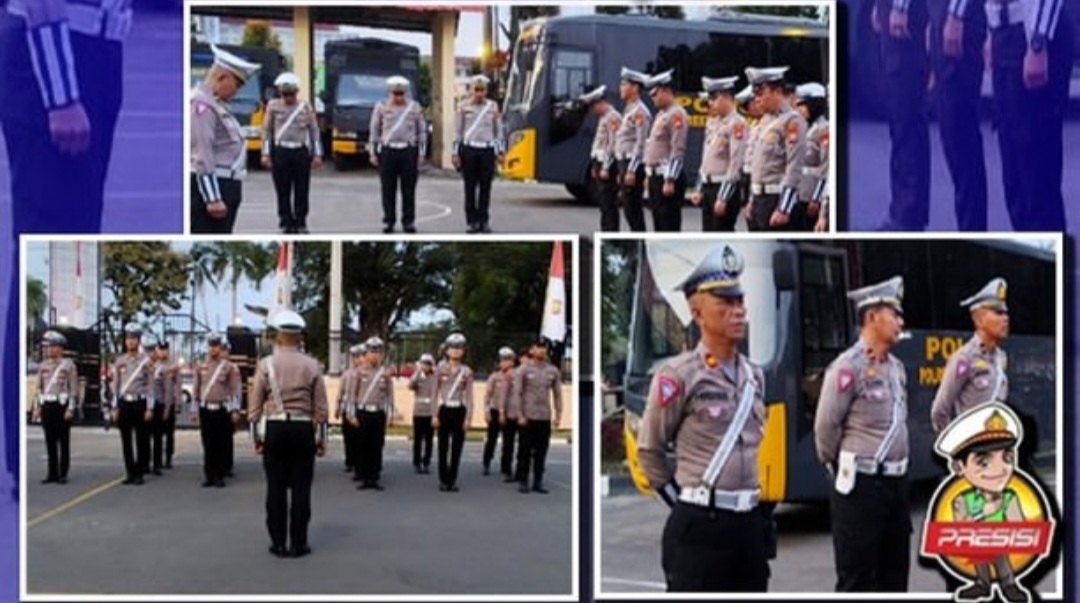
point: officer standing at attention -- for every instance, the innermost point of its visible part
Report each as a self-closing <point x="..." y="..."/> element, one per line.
<point x="373" y="391"/>
<point x="779" y="153"/>
<point x="346" y="405"/>
<point x="709" y="403"/>
<point x="287" y="410"/>
<point x="218" y="147"/>
<point x="602" y="168"/>
<point x="537" y="388"/>
<point x="55" y="404"/>
<point x="399" y="139"/>
<point x="499" y="385"/>
<point x="478" y="145"/>
<point x="423" y="384"/>
<point x="454" y="401"/>
<point x="171" y="402"/>
<point x="861" y="435"/>
<point x="291" y="147"/>
<point x="665" y="184"/>
<point x="814" y="109"/>
<point x="216" y="390"/>
<point x="132" y="408"/>
<point x="630" y="146"/>
<point x="160" y="385"/>
<point x="723" y="149"/>
<point x="750" y="108"/>
<point x="975" y="374"/>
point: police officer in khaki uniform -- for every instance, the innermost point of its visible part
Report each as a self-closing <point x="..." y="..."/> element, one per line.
<point x="346" y="405"/>
<point x="453" y="412"/>
<point x="423" y="384"/>
<point x="171" y="402"/>
<point x="287" y="409"/>
<point x="630" y="146"/>
<point x="55" y="404"/>
<point x="218" y="148"/>
<point x="750" y="109"/>
<point x="814" y="108"/>
<point x="975" y="374"/>
<point x="499" y="385"/>
<point x="537" y="388"/>
<point x="508" y="421"/>
<point x="291" y="147"/>
<point x="133" y="403"/>
<point x="722" y="153"/>
<point x="779" y="153"/>
<point x="602" y="170"/>
<point x="399" y="140"/>
<point x="373" y="391"/>
<point x="161" y="393"/>
<point x="478" y="145"/>
<point x="861" y="435"/>
<point x="216" y="395"/>
<point x="665" y="148"/>
<point x="709" y="403"/>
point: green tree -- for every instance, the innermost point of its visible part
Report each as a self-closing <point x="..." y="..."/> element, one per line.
<point x="144" y="278"/>
<point x="423" y="77"/>
<point x="36" y="301"/>
<point x="617" y="277"/>
<point x="260" y="34"/>
<point x="239" y="260"/>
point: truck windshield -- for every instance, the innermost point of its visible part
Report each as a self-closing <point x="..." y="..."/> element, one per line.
<point x="525" y="72"/>
<point x="360" y="89"/>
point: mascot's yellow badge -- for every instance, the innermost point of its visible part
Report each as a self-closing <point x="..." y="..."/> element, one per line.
<point x="989" y="523"/>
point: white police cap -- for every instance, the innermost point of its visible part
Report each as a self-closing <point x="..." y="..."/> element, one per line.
<point x="357" y="350"/>
<point x="480" y="81"/>
<point x="989" y="426"/>
<point x="810" y="90"/>
<point x="455" y="340"/>
<point x="764" y="75"/>
<point x="287" y="80"/>
<point x="720" y="84"/>
<point x="717" y="274"/>
<point x="632" y="76"/>
<point x="51" y="337"/>
<point x="506" y="353"/>
<point x="132" y="330"/>
<point x="148" y="342"/>
<point x="660" y="80"/>
<point x="745" y="95"/>
<point x="427" y="359"/>
<point x="235" y="65"/>
<point x="287" y="321"/>
<point x="374" y="344"/>
<point x="594" y="95"/>
<point x="886" y="293"/>
<point x="397" y="82"/>
<point x="991" y="296"/>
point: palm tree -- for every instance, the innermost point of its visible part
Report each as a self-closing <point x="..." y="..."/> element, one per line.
<point x="202" y="273"/>
<point x="36" y="301"/>
<point x="247" y="260"/>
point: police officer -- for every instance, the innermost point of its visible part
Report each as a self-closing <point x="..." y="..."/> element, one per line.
<point x="453" y="411"/>
<point x="161" y="393"/>
<point x="901" y="27"/>
<point x="814" y="108"/>
<point x="537" y="388"/>
<point x="750" y="109"/>
<point x="1031" y="49"/>
<point x="975" y="374"/>
<point x="346" y="405"/>
<point x="291" y="146"/>
<point x="957" y="32"/>
<point x="171" y="401"/>
<point x="779" y="153"/>
<point x="287" y="410"/>
<point x="602" y="185"/>
<point x="216" y="393"/>
<point x="478" y="144"/>
<point x="399" y="140"/>
<point x="235" y="417"/>
<point x="423" y="383"/>
<point x="55" y="404"/>
<point x="665" y="148"/>
<point x="861" y="435"/>
<point x="373" y="391"/>
<point x="133" y="403"/>
<point x="218" y="147"/>
<point x="709" y="403"/>
<point x="723" y="149"/>
<point x="630" y="146"/>
<point x="499" y="385"/>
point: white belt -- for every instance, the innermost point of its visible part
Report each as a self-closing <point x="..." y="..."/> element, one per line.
<point x="289" y="416"/>
<point x="291" y="145"/>
<point x="452" y="404"/>
<point x="600" y="156"/>
<point x="1004" y="14"/>
<point x="398" y="145"/>
<point x="214" y="406"/>
<point x="423" y="400"/>
<point x="479" y="145"/>
<point x="92" y="21"/>
<point x="132" y="398"/>
<point x="887" y="468"/>
<point x="739" y="501"/>
<point x="767" y="189"/>
<point x="230" y="174"/>
<point x="371" y="408"/>
<point x="53" y="398"/>
<point x="710" y="179"/>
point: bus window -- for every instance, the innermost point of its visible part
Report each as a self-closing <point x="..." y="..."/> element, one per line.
<point x="825" y="326"/>
<point x="571" y="74"/>
<point x="526" y="64"/>
<point x="357" y="90"/>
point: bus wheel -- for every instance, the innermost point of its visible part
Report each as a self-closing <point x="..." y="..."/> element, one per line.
<point x="580" y="192"/>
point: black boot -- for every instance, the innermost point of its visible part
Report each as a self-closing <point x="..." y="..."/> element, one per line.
<point x="1014" y="593"/>
<point x="977" y="591"/>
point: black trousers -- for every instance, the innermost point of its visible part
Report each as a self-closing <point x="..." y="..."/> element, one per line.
<point x="289" y="464"/>
<point x="1030" y="127"/>
<point x="604" y="193"/>
<point x="400" y="165"/>
<point x="201" y="222"/>
<point x="57" y="439"/>
<point x="451" y="442"/>
<point x="666" y="211"/>
<point x="532" y="450"/>
<point x="509" y="436"/>
<point x="957" y="91"/>
<point x="713" y="550"/>
<point x="215" y="428"/>
<point x="761" y="209"/>
<point x="905" y="71"/>
<point x="477" y="169"/>
<point x="134" y="437"/>
<point x="630" y="197"/>
<point x="169" y="428"/>
<point x="423" y="435"/>
<point x="157" y="436"/>
<point x="292" y="182"/>
<point x="710" y="222"/>
<point x="227" y="439"/>
<point x="492" y="438"/>
<point x="371" y="437"/>
<point x="872" y="535"/>
<point x="348" y="435"/>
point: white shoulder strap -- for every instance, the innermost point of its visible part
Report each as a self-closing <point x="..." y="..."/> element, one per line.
<point x="738" y="423"/>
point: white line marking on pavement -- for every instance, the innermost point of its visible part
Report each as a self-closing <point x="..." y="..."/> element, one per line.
<point x="641" y="583"/>
<point x="442" y="211"/>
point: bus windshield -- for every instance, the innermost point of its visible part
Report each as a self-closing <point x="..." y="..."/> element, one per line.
<point x="524" y="72"/>
<point x="355" y="89"/>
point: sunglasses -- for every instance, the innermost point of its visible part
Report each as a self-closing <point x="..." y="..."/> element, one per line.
<point x="288" y="92"/>
<point x="398" y="93"/>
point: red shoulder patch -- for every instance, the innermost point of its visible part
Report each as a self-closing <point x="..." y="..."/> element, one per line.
<point x="613" y="123"/>
<point x="824" y="137"/>
<point x="677" y="121"/>
<point x="740" y="130"/>
<point x="792" y="130"/>
<point x="844" y="378"/>
<point x="667" y="389"/>
<point x="639" y="118"/>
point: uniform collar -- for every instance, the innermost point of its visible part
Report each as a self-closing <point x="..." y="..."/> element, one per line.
<point x="712" y="362"/>
<point x="867" y="351"/>
<point x="981" y="346"/>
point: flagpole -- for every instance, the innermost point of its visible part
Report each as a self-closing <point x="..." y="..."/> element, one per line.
<point x="336" y="303"/>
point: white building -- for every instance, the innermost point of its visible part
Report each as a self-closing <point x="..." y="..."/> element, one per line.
<point x="73" y="283"/>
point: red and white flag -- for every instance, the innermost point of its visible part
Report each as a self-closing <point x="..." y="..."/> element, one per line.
<point x="283" y="291"/>
<point x="553" y="326"/>
<point x="79" y="319"/>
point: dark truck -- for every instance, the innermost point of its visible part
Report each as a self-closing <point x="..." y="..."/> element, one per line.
<point x="249" y="104"/>
<point x="356" y="72"/>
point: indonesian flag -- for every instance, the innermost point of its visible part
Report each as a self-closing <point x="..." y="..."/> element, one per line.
<point x="79" y="317"/>
<point x="553" y="326"/>
<point x="283" y="291"/>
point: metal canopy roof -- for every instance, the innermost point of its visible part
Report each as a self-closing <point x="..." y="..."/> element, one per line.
<point x="404" y="18"/>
